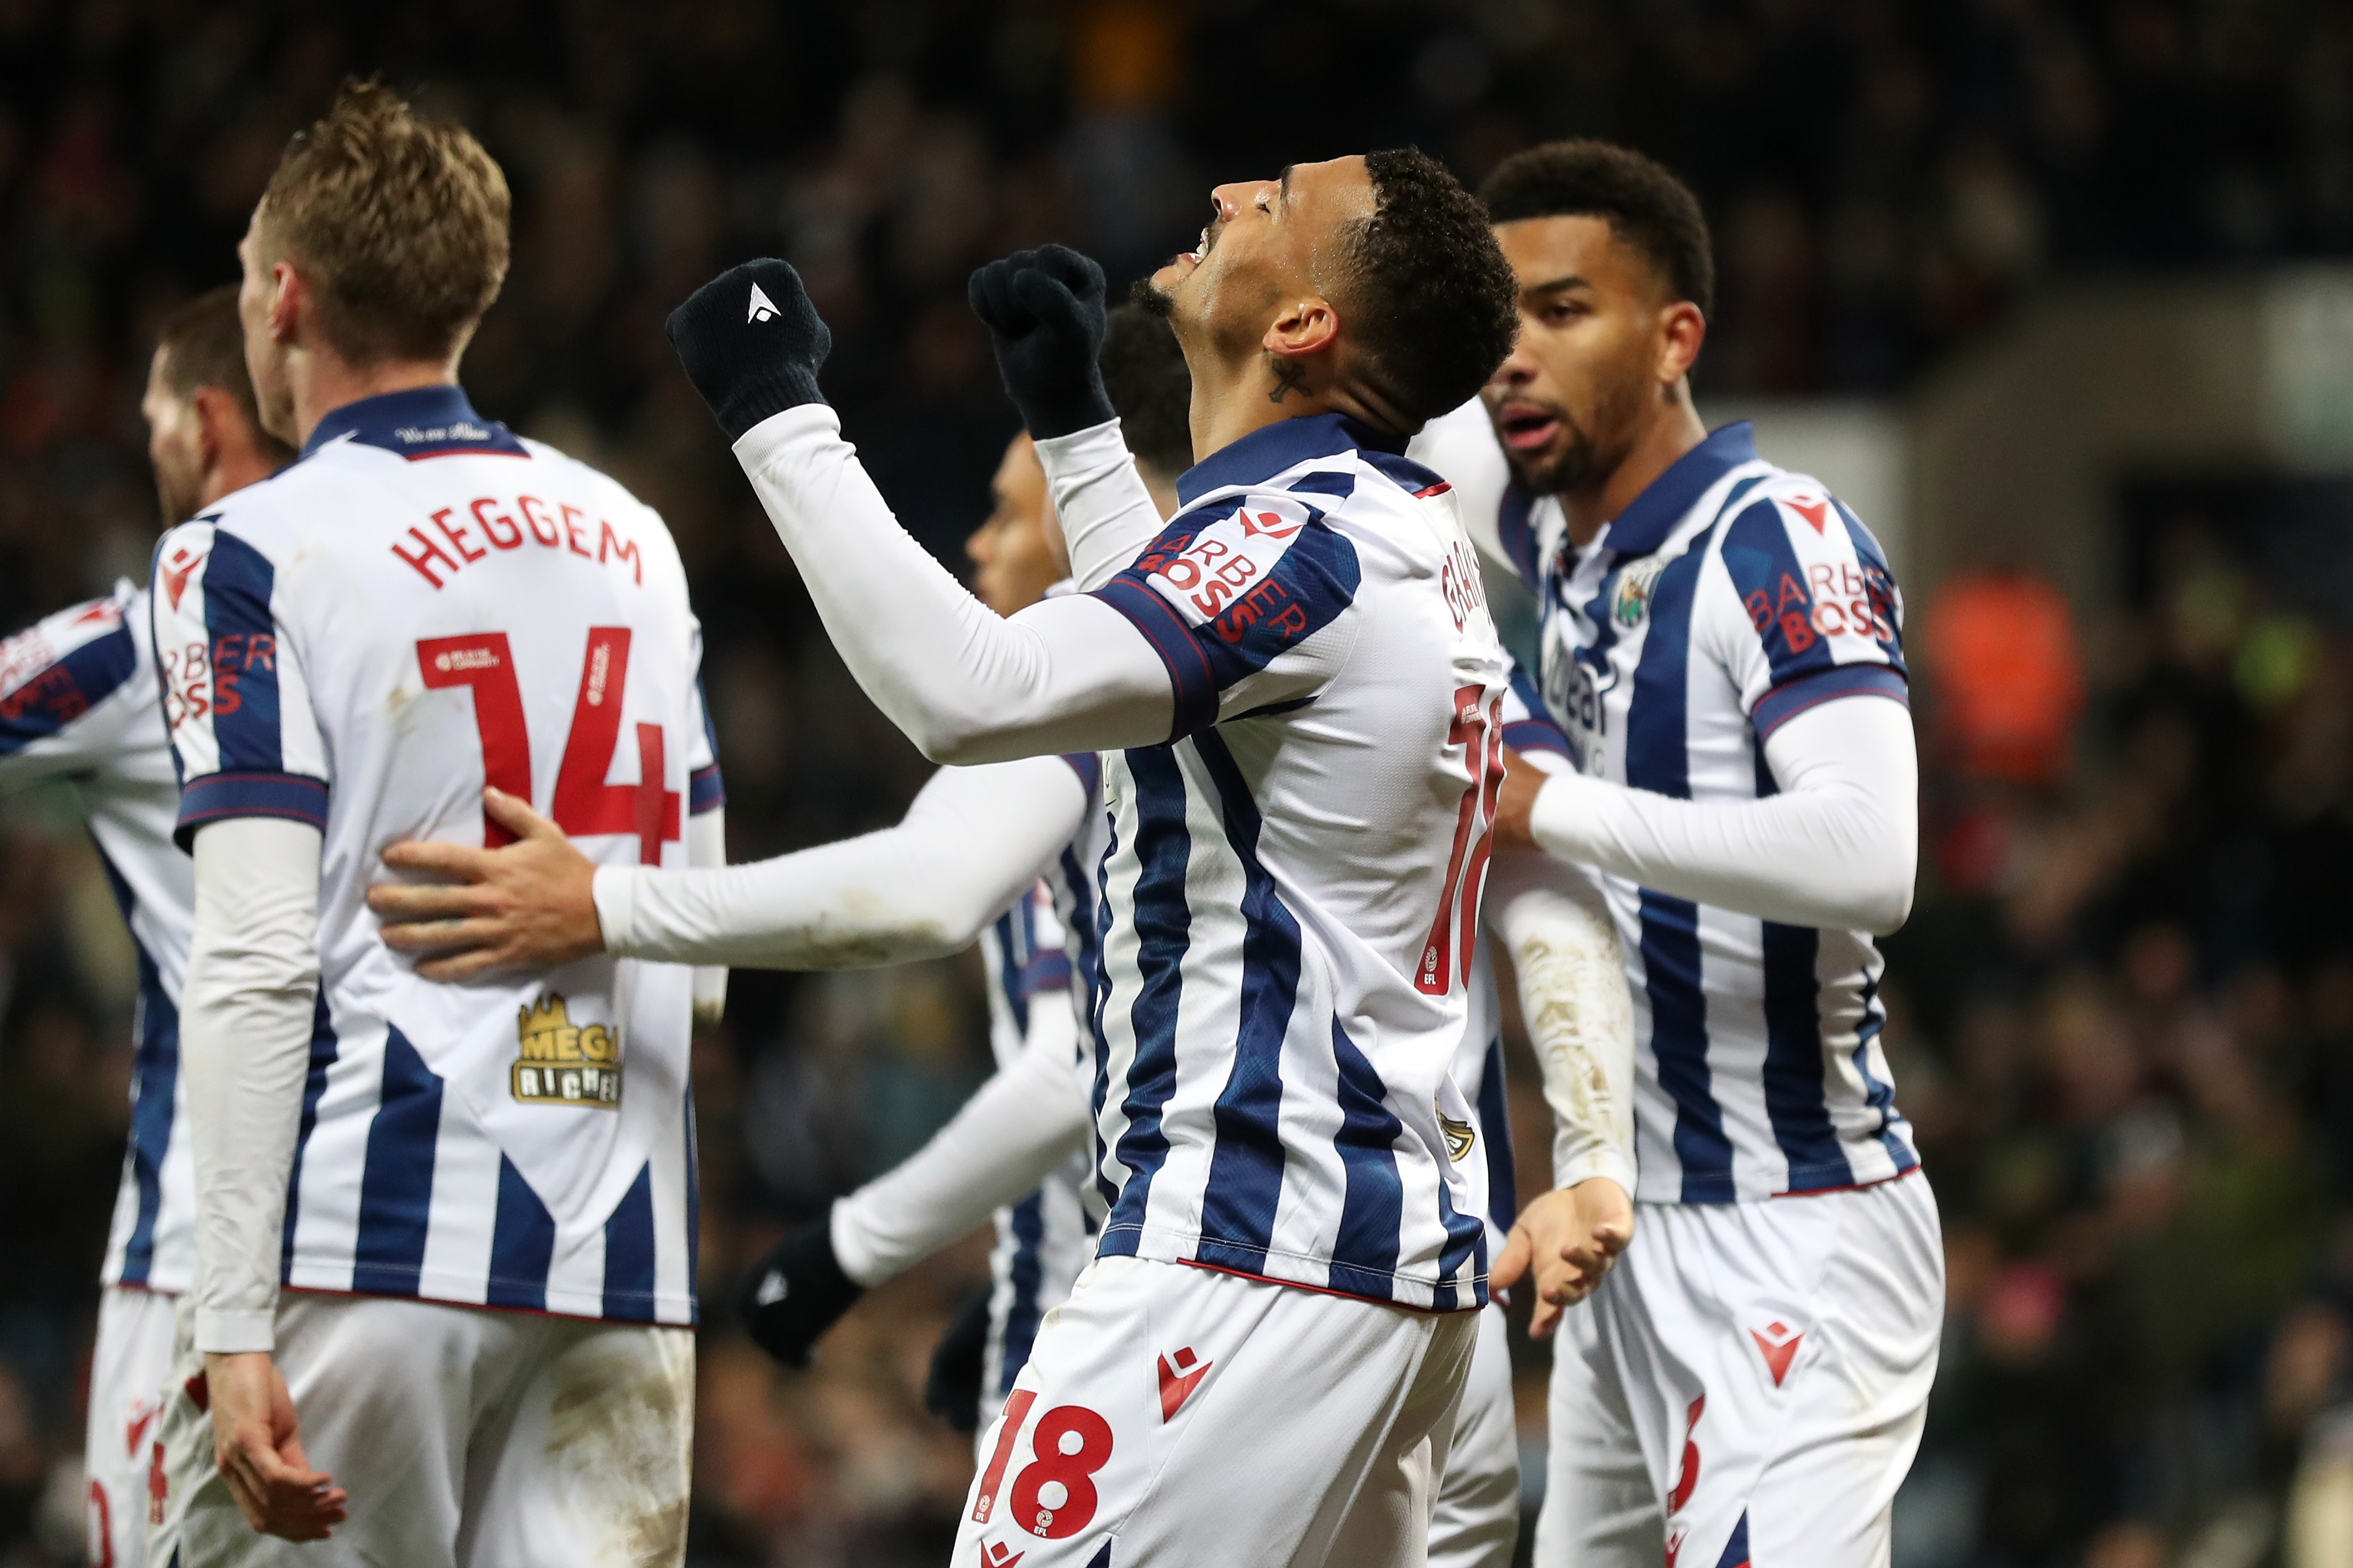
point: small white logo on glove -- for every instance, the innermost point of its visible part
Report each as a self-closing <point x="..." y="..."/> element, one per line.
<point x="772" y="1288"/>
<point x="762" y="307"/>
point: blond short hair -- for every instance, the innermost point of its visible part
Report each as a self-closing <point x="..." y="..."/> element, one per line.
<point x="400" y="225"/>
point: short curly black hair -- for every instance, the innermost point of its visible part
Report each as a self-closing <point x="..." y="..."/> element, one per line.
<point x="1144" y="372"/>
<point x="1429" y="294"/>
<point x="1646" y="207"/>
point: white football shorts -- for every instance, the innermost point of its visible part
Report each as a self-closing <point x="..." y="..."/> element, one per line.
<point x="1747" y="1385"/>
<point x="129" y="1368"/>
<point x="467" y="1438"/>
<point x="1476" y="1521"/>
<point x="1173" y="1415"/>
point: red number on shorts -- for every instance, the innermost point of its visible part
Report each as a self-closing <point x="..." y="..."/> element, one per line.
<point x="584" y="805"/>
<point x="1072" y="1471"/>
<point x="1480" y="732"/>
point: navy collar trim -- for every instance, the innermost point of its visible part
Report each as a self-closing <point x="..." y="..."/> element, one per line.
<point x="1269" y="450"/>
<point x="421" y="422"/>
<point x="1651" y="516"/>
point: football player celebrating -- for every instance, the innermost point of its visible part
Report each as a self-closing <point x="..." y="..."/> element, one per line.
<point x="1003" y="852"/>
<point x="910" y="891"/>
<point x="434" y="1224"/>
<point x="1300" y="689"/>
<point x="79" y="701"/>
<point x="1722" y="642"/>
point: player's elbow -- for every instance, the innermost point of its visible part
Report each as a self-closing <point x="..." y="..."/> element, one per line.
<point x="1883" y="902"/>
<point x="951" y="737"/>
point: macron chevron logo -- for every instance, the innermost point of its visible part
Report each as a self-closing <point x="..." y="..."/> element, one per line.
<point x="762" y="307"/>
<point x="1178" y="1381"/>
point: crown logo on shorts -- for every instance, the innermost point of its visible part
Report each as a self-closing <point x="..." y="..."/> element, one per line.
<point x="559" y="1062"/>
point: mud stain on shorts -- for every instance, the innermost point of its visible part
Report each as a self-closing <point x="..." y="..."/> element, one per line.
<point x="621" y="1426"/>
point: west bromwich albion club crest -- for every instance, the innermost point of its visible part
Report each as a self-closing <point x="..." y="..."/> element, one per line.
<point x="563" y="1063"/>
<point x="1633" y="597"/>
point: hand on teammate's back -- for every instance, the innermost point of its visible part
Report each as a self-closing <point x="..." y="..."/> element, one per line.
<point x="259" y="1448"/>
<point x="1044" y="312"/>
<point x="530" y="905"/>
<point x="1515" y="804"/>
<point x="751" y="343"/>
<point x="1570" y="1238"/>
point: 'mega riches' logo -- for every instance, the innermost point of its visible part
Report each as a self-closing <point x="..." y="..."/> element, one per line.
<point x="563" y="1063"/>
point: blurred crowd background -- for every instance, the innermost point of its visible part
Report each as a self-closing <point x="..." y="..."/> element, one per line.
<point x="2124" y="1011"/>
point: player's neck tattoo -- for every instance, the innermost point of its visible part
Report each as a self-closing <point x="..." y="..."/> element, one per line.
<point x="1290" y="376"/>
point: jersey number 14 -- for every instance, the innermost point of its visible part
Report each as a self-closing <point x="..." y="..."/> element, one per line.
<point x="584" y="805"/>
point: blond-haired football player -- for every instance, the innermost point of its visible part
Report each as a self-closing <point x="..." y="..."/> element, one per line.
<point x="444" y="1286"/>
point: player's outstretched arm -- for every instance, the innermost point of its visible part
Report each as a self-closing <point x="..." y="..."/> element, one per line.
<point x="1044" y="312"/>
<point x="1835" y="848"/>
<point x="244" y="1041"/>
<point x="1023" y="1122"/>
<point x="1552" y="918"/>
<point x="1068" y="674"/>
<point x="973" y="839"/>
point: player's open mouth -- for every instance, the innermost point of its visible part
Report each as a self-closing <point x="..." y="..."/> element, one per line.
<point x="1525" y="428"/>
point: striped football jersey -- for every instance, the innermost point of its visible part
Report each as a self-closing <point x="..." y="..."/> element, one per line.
<point x="420" y="604"/>
<point x="1289" y="900"/>
<point x="1037" y="955"/>
<point x="77" y="702"/>
<point x="1728" y="597"/>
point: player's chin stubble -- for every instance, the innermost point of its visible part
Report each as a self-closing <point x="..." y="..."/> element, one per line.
<point x="1566" y="467"/>
<point x="1145" y="297"/>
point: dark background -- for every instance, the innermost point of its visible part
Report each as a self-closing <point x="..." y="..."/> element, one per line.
<point x="2123" y="1012"/>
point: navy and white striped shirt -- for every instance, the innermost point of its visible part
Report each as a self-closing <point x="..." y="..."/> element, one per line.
<point x="1728" y="597"/>
<point x="1290" y="897"/>
<point x="421" y="604"/>
<point x="77" y="700"/>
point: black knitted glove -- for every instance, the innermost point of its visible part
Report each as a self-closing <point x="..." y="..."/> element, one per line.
<point x="792" y="1296"/>
<point x="1044" y="311"/>
<point x="952" y="1390"/>
<point x="751" y="342"/>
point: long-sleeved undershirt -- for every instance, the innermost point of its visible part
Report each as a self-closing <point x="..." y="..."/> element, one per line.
<point x="1836" y="848"/>
<point x="973" y="841"/>
<point x="1068" y="674"/>
<point x="245" y="1049"/>
<point x="1028" y="1119"/>
<point x="1107" y="514"/>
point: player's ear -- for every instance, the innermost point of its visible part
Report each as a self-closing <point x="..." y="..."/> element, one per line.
<point x="1682" y="330"/>
<point x="291" y="303"/>
<point x="1302" y="326"/>
<point x="217" y="419"/>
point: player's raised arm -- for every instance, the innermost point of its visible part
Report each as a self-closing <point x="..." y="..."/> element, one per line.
<point x="973" y="839"/>
<point x="1068" y="675"/>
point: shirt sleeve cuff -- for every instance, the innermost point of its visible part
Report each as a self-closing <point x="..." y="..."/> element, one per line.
<point x="615" y="890"/>
<point x="1192" y="683"/>
<point x="215" y="797"/>
<point x="764" y="443"/>
<point x="1577" y="1158"/>
<point x="222" y="1331"/>
<point x="1565" y="811"/>
<point x="706" y="791"/>
<point x="1786" y="701"/>
<point x="1082" y="451"/>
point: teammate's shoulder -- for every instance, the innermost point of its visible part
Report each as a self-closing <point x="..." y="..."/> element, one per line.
<point x="66" y="661"/>
<point x="1786" y="510"/>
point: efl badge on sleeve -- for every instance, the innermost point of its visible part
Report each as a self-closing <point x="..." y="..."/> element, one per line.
<point x="563" y="1063"/>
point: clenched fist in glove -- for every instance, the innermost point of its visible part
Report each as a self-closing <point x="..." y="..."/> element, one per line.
<point x="752" y="342"/>
<point x="1044" y="311"/>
